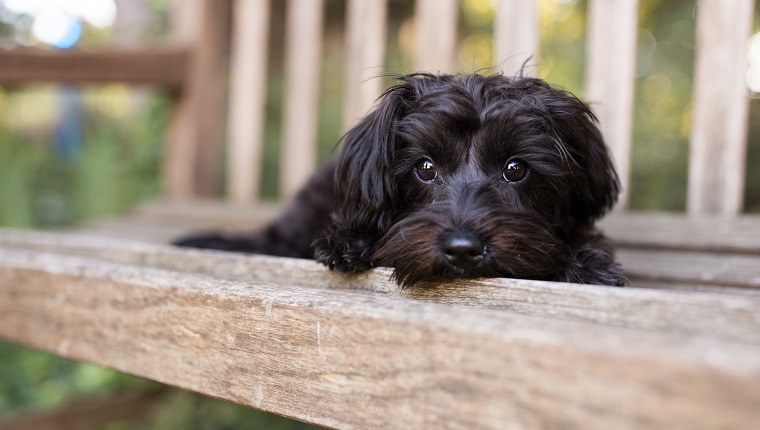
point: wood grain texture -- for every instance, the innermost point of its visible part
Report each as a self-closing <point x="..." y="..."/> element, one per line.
<point x="721" y="108"/>
<point x="610" y="70"/>
<point x="247" y="97"/>
<point x="163" y="68"/>
<point x="516" y="37"/>
<point x="436" y="26"/>
<point x="737" y="318"/>
<point x="368" y="360"/>
<point x="365" y="57"/>
<point x="303" y="48"/>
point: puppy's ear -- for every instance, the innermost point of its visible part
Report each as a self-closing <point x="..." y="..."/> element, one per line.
<point x="596" y="184"/>
<point x="365" y="186"/>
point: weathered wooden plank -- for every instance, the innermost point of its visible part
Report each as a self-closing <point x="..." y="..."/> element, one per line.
<point x="160" y="222"/>
<point x="610" y="70"/>
<point x="365" y="57"/>
<point x="351" y="359"/>
<point x="720" y="315"/>
<point x="436" y="26"/>
<point x="192" y="166"/>
<point x="303" y="47"/>
<point x="627" y="229"/>
<point x="692" y="267"/>
<point x="516" y="36"/>
<point x="247" y="97"/>
<point x="673" y="231"/>
<point x="164" y="68"/>
<point x="165" y="221"/>
<point x="721" y="107"/>
<point x="693" y="287"/>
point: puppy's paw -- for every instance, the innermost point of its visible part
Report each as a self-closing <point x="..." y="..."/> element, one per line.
<point x="612" y="276"/>
<point x="595" y="266"/>
<point x="348" y="255"/>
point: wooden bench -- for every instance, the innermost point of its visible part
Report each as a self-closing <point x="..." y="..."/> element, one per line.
<point x="680" y="349"/>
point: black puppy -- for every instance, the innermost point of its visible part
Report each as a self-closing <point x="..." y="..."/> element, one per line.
<point x="457" y="176"/>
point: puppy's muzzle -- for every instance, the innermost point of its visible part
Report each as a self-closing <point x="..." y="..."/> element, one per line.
<point x="463" y="250"/>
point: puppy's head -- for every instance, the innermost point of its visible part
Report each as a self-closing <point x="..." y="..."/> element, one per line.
<point x="469" y="176"/>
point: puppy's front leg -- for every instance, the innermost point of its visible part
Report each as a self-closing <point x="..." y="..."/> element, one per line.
<point x="344" y="250"/>
<point x="594" y="265"/>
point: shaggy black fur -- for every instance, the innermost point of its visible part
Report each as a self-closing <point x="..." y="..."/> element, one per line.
<point x="457" y="176"/>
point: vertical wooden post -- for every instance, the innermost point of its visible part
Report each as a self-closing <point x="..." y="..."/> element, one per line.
<point x="248" y="78"/>
<point x="365" y="52"/>
<point x="516" y="34"/>
<point x="610" y="77"/>
<point x="212" y="64"/>
<point x="719" y="120"/>
<point x="180" y="152"/>
<point x="436" y="22"/>
<point x="196" y="135"/>
<point x="303" y="46"/>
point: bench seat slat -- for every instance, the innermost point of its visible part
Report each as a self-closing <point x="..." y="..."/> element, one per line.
<point x="344" y="359"/>
<point x="673" y="231"/>
<point x="737" y="318"/>
<point x="692" y="267"/>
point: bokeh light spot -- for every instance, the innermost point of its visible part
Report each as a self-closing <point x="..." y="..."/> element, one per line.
<point x="753" y="59"/>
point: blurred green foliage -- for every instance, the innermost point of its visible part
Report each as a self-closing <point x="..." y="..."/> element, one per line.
<point x="118" y="168"/>
<point x="32" y="379"/>
<point x="664" y="71"/>
<point x="122" y="153"/>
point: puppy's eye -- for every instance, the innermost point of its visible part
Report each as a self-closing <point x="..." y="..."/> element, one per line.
<point x="425" y="170"/>
<point x="515" y="171"/>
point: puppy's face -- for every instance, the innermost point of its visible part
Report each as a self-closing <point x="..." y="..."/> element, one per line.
<point x="474" y="176"/>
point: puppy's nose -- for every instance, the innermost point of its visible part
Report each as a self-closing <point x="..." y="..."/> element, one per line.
<point x="463" y="249"/>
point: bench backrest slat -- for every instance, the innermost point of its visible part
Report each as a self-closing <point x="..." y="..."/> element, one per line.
<point x="193" y="159"/>
<point x="436" y="27"/>
<point x="303" y="47"/>
<point x="719" y="120"/>
<point x="247" y="98"/>
<point x="516" y="40"/>
<point x="610" y="69"/>
<point x="365" y="54"/>
<point x="192" y="165"/>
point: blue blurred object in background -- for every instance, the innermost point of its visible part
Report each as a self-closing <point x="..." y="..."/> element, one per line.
<point x="67" y="132"/>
